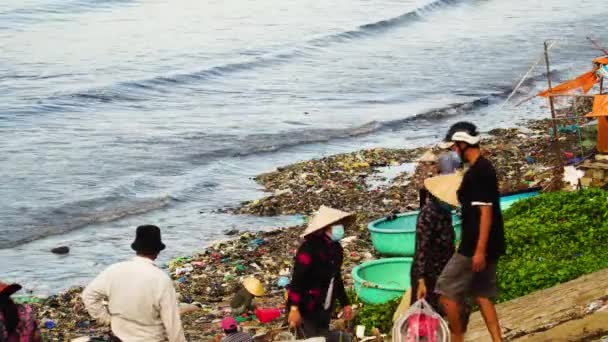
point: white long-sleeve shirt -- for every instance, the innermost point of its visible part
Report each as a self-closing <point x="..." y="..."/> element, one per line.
<point x="142" y="303"/>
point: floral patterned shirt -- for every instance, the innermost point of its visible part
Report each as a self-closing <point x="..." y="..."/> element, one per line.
<point x="317" y="262"/>
<point x="27" y="329"/>
<point x="434" y="247"/>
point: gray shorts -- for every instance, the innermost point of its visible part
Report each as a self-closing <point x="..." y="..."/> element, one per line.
<point x="458" y="281"/>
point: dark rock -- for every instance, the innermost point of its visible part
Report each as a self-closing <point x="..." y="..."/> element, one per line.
<point x="231" y="232"/>
<point x="61" y="250"/>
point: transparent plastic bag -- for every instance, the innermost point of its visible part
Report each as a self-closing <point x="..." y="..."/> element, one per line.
<point x="420" y="323"/>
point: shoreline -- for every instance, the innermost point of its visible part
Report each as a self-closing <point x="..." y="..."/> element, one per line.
<point x="205" y="280"/>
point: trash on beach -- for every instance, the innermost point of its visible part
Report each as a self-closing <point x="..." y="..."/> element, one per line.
<point x="49" y="324"/>
<point x="266" y="315"/>
<point x="283" y="281"/>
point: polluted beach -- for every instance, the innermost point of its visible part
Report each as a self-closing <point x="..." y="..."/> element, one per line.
<point x="228" y="125"/>
<point x="206" y="280"/>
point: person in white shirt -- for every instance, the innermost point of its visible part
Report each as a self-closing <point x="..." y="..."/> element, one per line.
<point x="141" y="300"/>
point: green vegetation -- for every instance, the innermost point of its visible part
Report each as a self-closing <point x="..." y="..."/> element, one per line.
<point x="379" y="316"/>
<point x="553" y="238"/>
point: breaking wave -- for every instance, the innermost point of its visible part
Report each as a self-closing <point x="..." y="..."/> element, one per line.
<point x="80" y="214"/>
<point x="141" y="90"/>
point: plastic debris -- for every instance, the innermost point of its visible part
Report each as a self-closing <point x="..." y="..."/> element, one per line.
<point x="594" y="306"/>
<point x="49" y="324"/>
<point x="184" y="270"/>
<point x="27" y="299"/>
<point x="83" y="324"/>
<point x="267" y="315"/>
<point x="283" y="281"/>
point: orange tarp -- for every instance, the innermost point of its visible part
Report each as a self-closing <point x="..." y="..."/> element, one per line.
<point x="602" y="134"/>
<point x="600" y="110"/>
<point x="600" y="106"/>
<point x="601" y="60"/>
<point x="584" y="82"/>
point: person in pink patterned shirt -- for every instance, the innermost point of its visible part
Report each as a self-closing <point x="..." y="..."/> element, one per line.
<point x="18" y="323"/>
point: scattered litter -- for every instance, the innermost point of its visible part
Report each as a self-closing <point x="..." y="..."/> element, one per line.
<point x="594" y="306"/>
<point x="49" y="324"/>
<point x="283" y="281"/>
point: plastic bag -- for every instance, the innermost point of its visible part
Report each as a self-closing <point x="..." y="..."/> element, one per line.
<point x="420" y="323"/>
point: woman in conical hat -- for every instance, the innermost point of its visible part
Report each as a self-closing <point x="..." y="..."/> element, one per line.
<point x="434" y="234"/>
<point x="317" y="275"/>
<point x="243" y="300"/>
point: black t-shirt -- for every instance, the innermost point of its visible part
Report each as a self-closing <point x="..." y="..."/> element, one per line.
<point x="480" y="187"/>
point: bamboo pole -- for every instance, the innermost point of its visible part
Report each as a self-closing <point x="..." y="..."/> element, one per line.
<point x="551" y="105"/>
<point x="556" y="146"/>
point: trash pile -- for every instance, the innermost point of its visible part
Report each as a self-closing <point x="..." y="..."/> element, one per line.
<point x="206" y="282"/>
<point x="63" y="317"/>
<point x="338" y="181"/>
<point x="523" y="158"/>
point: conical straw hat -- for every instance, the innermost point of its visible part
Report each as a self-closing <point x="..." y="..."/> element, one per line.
<point x="428" y="156"/>
<point x="445" y="187"/>
<point x="326" y="216"/>
<point x="253" y="286"/>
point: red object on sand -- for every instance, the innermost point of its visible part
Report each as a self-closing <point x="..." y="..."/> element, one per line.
<point x="267" y="315"/>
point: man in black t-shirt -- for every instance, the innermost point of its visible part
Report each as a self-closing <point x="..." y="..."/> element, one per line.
<point x="472" y="271"/>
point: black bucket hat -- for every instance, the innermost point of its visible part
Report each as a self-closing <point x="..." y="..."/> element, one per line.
<point x="147" y="239"/>
<point x="8" y="289"/>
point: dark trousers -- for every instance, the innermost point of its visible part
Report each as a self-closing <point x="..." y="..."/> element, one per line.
<point x="317" y="325"/>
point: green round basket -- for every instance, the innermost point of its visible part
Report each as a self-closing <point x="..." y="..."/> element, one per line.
<point x="379" y="281"/>
<point x="398" y="237"/>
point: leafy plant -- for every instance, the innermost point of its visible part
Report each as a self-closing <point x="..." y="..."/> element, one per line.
<point x="553" y="238"/>
<point x="377" y="315"/>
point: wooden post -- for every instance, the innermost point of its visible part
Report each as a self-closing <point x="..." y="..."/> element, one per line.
<point x="601" y="86"/>
<point x="552" y="106"/>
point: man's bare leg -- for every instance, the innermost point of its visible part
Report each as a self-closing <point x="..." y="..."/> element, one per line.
<point x="488" y="311"/>
<point x="452" y="309"/>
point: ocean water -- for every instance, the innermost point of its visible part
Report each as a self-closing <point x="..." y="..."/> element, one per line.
<point x="115" y="113"/>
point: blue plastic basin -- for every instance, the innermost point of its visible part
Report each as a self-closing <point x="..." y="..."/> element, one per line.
<point x="507" y="201"/>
